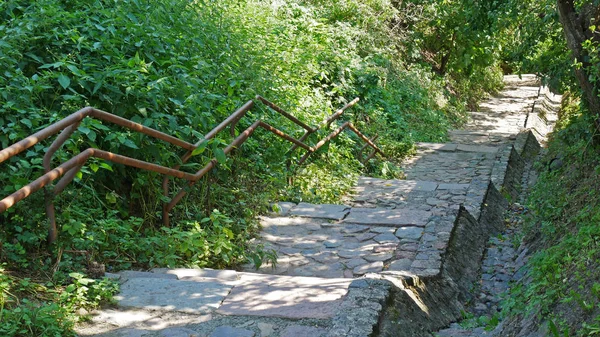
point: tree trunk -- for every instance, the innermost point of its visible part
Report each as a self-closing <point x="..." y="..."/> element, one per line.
<point x="576" y="27"/>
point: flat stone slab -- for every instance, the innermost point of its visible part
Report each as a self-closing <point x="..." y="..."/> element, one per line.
<point x="453" y="186"/>
<point x="387" y="217"/>
<point x="374" y="267"/>
<point x="131" y="274"/>
<point x="449" y="147"/>
<point x="198" y="274"/>
<point x="285" y="297"/>
<point x="400" y="265"/>
<point x="323" y="211"/>
<point x="172" y="295"/>
<point x="410" y="233"/>
<point x="477" y="148"/>
<point x="397" y="185"/>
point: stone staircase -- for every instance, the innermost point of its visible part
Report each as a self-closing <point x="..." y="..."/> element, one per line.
<point x="397" y="259"/>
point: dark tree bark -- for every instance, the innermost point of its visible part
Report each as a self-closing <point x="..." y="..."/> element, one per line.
<point x="576" y="26"/>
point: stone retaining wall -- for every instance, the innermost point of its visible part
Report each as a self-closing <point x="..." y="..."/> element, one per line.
<point x="418" y="306"/>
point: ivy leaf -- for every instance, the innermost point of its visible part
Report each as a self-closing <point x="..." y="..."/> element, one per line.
<point x="26" y="122"/>
<point x="199" y="149"/>
<point x="130" y="144"/>
<point x="220" y="154"/>
<point x="64" y="81"/>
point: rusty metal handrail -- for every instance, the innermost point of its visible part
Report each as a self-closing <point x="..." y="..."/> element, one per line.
<point x="167" y="207"/>
<point x="69" y="168"/>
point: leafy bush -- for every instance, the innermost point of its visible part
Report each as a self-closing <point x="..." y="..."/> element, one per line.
<point x="181" y="67"/>
<point x="29" y="308"/>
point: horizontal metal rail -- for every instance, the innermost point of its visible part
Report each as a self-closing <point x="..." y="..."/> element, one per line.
<point x="69" y="169"/>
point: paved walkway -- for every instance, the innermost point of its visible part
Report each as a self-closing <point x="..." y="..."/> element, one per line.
<point x="323" y="284"/>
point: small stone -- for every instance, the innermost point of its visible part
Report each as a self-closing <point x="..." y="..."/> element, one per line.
<point x="426" y="264"/>
<point x="301" y="330"/>
<point x="413" y="233"/>
<point x="386" y="238"/>
<point x="402" y="264"/>
<point x="332" y="243"/>
<point x="353" y="263"/>
<point x="432" y="201"/>
<point x="381" y="230"/>
<point x="386" y="247"/>
<point x="350" y="245"/>
<point x="405" y="255"/>
<point x="378" y="257"/>
<point x="266" y="329"/>
<point x="365" y="236"/>
<point x="429" y="238"/>
<point x="481" y="308"/>
<point x="325" y="257"/>
<point x="374" y="267"/>
<point x="349" y="254"/>
<point x="352" y="229"/>
<point x="229" y="331"/>
<point x="422" y="256"/>
<point x="307" y="245"/>
<point x="360" y="283"/>
<point x="441" y="245"/>
<point x="409" y="247"/>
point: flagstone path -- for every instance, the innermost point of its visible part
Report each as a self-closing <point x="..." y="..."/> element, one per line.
<point x="332" y="258"/>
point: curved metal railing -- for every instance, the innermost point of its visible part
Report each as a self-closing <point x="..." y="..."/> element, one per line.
<point x="69" y="169"/>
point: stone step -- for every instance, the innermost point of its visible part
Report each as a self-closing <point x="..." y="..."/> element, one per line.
<point x="461" y="166"/>
<point x="454" y="147"/>
<point x="201" y="302"/>
<point x="496" y="123"/>
<point x="476" y="137"/>
<point x="332" y="258"/>
<point x="499" y="105"/>
<point x="402" y="194"/>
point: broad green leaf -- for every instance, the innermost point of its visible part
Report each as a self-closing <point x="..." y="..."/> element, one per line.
<point x="84" y="130"/>
<point x="129" y="143"/>
<point x="74" y="70"/>
<point x="26" y="122"/>
<point x="106" y="166"/>
<point x="52" y="65"/>
<point x="200" y="149"/>
<point x="221" y="157"/>
<point x="91" y="135"/>
<point x="64" y="81"/>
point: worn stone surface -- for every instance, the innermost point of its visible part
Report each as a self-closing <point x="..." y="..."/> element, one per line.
<point x="172" y="295"/>
<point x="387" y="217"/>
<point x="405" y="241"/>
<point x="300" y="330"/>
<point x="228" y="331"/>
<point x="325" y="211"/>
<point x="284" y="296"/>
<point x="198" y="274"/>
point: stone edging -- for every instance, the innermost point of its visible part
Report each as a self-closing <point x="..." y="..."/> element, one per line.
<point x="418" y="305"/>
